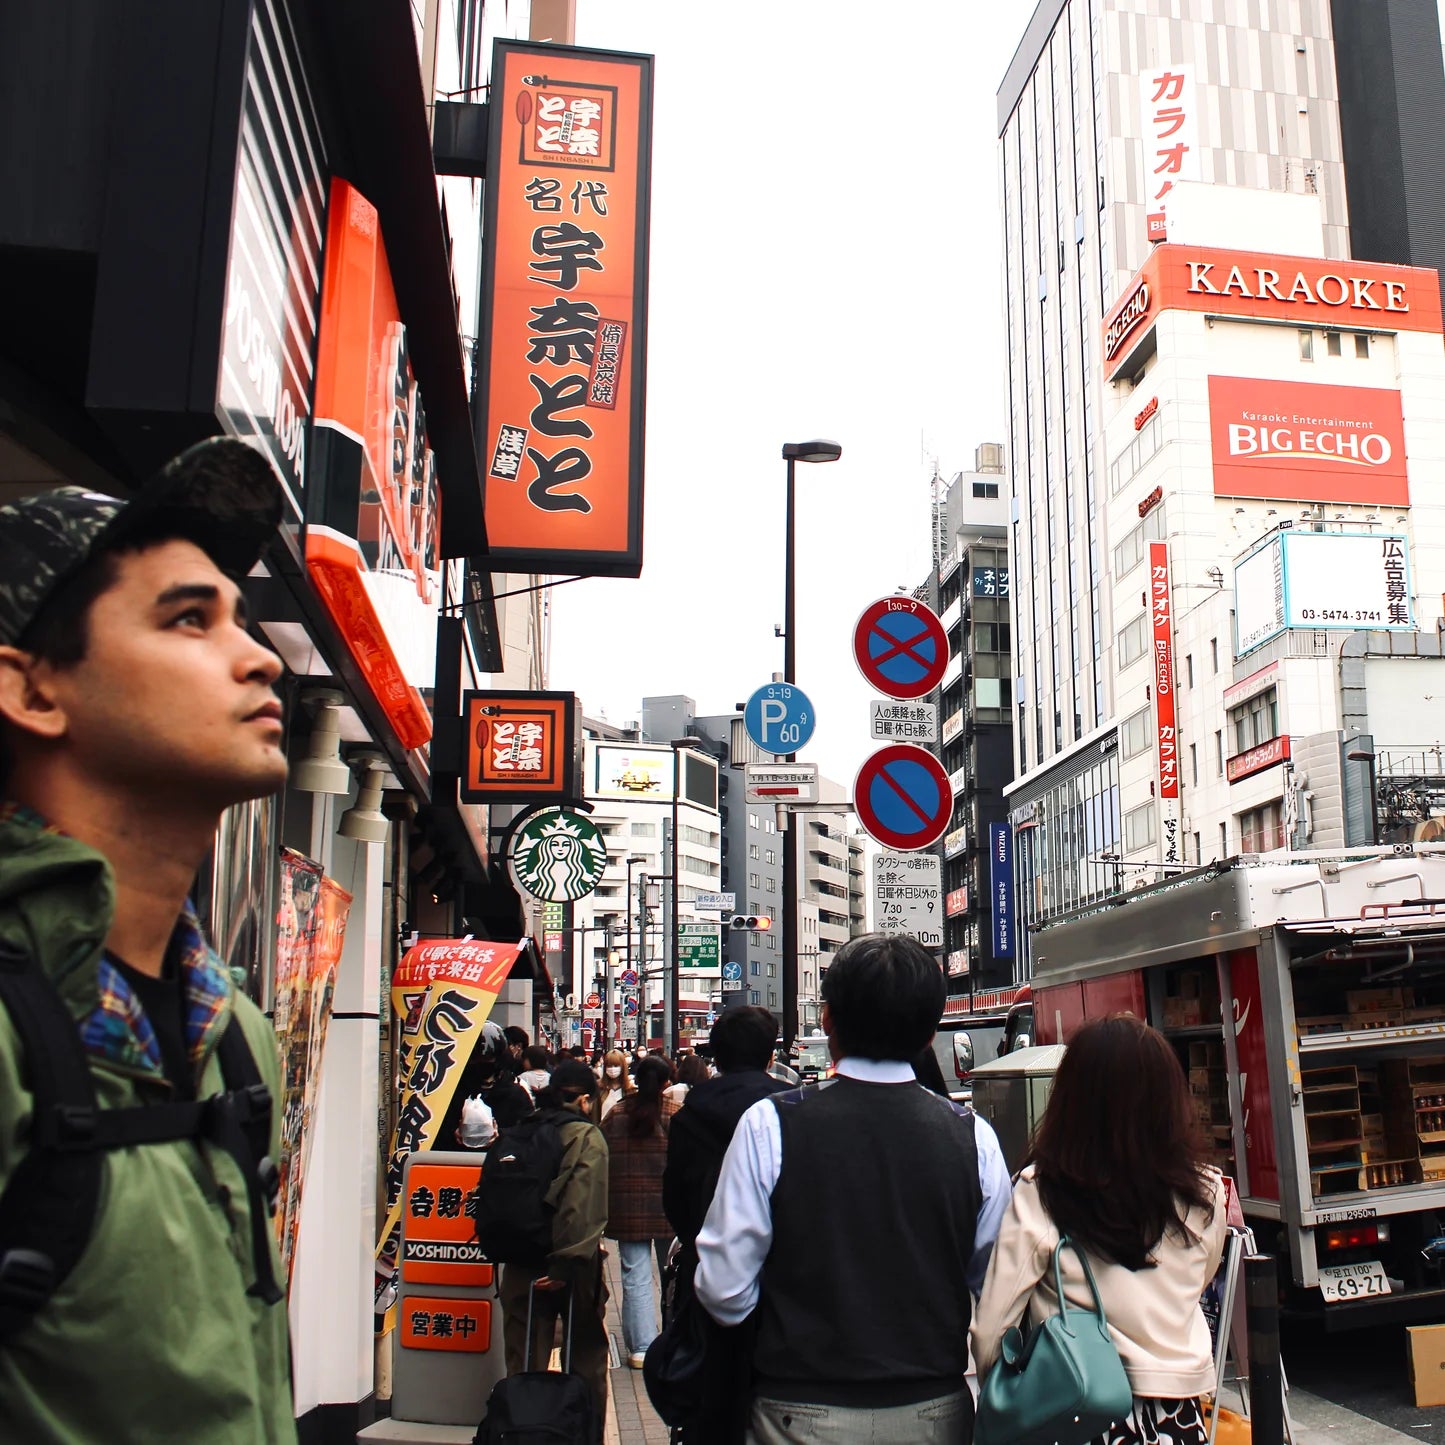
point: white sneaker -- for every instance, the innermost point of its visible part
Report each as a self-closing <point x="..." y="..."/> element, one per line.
<point x="636" y="1359"/>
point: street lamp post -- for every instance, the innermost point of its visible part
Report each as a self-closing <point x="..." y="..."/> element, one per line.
<point x="812" y="451"/>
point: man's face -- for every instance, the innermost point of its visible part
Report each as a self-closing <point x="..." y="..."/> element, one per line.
<point x="173" y="693"/>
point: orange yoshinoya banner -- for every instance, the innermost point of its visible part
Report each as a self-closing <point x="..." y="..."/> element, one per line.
<point x="1297" y="442"/>
<point x="441" y="994"/>
<point x="564" y="308"/>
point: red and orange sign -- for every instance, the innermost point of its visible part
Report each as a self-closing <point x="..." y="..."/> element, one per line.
<point x="520" y="746"/>
<point x="439" y="1226"/>
<point x="1161" y="616"/>
<point x="1295" y="441"/>
<point x="440" y="1323"/>
<point x="373" y="502"/>
<point x="565" y="308"/>
<point x="1303" y="291"/>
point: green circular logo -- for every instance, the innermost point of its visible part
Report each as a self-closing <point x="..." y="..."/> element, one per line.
<point x="557" y="856"/>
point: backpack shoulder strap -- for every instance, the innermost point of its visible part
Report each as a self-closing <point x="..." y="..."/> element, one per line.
<point x="49" y="1204"/>
<point x="48" y="1207"/>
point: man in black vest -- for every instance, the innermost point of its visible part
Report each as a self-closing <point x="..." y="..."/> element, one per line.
<point x="857" y="1216"/>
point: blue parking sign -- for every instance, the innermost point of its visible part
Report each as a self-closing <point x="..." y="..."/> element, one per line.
<point x="779" y="718"/>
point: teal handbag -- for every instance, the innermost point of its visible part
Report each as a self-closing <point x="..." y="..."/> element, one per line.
<point x="1062" y="1385"/>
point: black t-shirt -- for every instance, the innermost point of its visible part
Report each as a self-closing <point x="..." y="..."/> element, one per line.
<point x="164" y="1002"/>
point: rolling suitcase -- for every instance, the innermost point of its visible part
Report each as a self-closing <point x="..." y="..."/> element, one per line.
<point x="540" y="1407"/>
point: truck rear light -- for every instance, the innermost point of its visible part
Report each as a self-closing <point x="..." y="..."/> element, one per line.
<point x="1357" y="1236"/>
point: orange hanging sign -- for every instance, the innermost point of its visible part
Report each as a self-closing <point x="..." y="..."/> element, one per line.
<point x="564" y="297"/>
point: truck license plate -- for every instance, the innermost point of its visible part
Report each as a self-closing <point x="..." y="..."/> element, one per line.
<point x="1353" y="1281"/>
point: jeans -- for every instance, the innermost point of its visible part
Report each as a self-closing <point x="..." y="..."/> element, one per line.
<point x="639" y="1310"/>
<point x="944" y="1421"/>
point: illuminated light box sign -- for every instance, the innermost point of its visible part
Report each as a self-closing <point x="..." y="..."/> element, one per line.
<point x="520" y="746"/>
<point x="564" y="309"/>
<point x="1359" y="581"/>
<point x="1298" y="442"/>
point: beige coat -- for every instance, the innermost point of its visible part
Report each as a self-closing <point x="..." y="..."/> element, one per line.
<point x="1154" y="1315"/>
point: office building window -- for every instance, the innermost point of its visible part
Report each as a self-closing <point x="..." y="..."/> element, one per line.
<point x="1214" y="653"/>
<point x="985" y="489"/>
<point x="771" y="885"/>
<point x="772" y="856"/>
<point x="755" y="881"/>
<point x="1332" y="343"/>
<point x="754" y="996"/>
<point x="1134" y="733"/>
<point x="1261" y="830"/>
<point x="754" y="969"/>
<point x="1133" y="641"/>
<point x="1219" y="755"/>
<point x="1189" y="669"/>
<point x="1255" y="722"/>
<point x="754" y="851"/>
<point x="1194" y="767"/>
<point x="643" y="830"/>
<point x="1198" y="856"/>
<point x="754" y="821"/>
<point x="1138" y="828"/>
<point x="1306" y="346"/>
<point x="1362" y="346"/>
<point x="1223" y="841"/>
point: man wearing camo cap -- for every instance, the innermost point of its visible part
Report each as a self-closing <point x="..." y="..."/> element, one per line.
<point x="135" y="706"/>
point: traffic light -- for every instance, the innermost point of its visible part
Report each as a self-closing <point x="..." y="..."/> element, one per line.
<point x="751" y="923"/>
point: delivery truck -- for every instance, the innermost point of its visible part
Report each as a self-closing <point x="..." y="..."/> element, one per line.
<point x="1305" y="996"/>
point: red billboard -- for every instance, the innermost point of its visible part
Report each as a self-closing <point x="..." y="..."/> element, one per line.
<point x="1161" y="617"/>
<point x="1301" y="442"/>
<point x="564" y="298"/>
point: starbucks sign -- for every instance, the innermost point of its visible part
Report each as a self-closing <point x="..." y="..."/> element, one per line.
<point x="557" y="855"/>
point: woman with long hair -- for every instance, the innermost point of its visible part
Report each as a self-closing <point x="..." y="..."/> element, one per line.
<point x="636" y="1133"/>
<point x="1118" y="1167"/>
<point x="691" y="1070"/>
<point x="616" y="1084"/>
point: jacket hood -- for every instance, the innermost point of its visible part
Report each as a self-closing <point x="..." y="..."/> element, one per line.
<point x="57" y="897"/>
<point x="721" y="1102"/>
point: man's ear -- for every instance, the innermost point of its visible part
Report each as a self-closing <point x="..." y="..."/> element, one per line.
<point x="28" y="701"/>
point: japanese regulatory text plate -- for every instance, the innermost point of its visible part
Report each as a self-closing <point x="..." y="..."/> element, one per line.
<point x="1353" y="1281"/>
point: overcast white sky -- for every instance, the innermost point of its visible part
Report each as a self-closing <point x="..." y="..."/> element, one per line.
<point x="825" y="262"/>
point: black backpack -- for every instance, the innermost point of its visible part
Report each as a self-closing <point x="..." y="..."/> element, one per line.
<point x="48" y="1208"/>
<point x="514" y="1220"/>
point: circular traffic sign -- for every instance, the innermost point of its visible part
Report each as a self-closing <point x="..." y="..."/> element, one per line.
<point x="594" y="1000"/>
<point x="629" y="978"/>
<point x="900" y="647"/>
<point x="779" y="718"/>
<point x="903" y="797"/>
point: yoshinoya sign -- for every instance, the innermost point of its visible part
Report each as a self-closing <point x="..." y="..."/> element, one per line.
<point x="1300" y="442"/>
<point x="1299" y="290"/>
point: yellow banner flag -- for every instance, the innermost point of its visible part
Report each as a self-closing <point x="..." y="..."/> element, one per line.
<point x="443" y="992"/>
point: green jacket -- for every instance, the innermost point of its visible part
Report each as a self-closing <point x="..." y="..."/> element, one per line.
<point x="579" y="1195"/>
<point x="153" y="1338"/>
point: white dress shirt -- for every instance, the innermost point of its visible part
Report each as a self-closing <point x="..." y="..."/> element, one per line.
<point x="738" y="1232"/>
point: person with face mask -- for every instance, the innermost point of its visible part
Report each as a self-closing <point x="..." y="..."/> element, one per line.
<point x="616" y="1083"/>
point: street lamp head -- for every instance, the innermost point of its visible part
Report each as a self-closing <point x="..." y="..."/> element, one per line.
<point x="813" y="451"/>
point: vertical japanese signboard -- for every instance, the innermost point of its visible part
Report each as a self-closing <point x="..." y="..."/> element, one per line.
<point x="1166" y="731"/>
<point x="1170" y="114"/>
<point x="442" y="993"/>
<point x="1001" y="888"/>
<point x="564" y="308"/>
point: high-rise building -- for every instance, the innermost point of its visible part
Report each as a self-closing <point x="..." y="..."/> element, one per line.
<point x="968" y="587"/>
<point x="1110" y="115"/>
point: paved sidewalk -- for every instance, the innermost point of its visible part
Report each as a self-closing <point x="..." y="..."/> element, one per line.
<point x="631" y="1420"/>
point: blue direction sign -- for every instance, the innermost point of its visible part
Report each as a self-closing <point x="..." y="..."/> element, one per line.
<point x="779" y="718"/>
<point x="903" y="797"/>
<point x="732" y="973"/>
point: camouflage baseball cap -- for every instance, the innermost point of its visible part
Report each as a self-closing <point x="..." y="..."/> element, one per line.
<point x="220" y="494"/>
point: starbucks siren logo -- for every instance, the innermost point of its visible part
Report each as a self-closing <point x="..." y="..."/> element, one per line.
<point x="557" y="856"/>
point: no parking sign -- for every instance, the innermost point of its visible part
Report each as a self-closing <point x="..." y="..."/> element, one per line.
<point x="903" y="797"/>
<point x="900" y="647"/>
